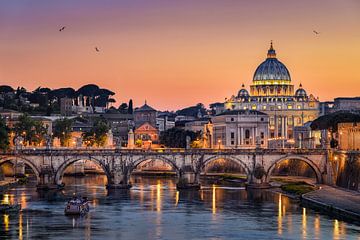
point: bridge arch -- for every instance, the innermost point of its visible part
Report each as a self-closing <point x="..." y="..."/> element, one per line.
<point x="236" y="160"/>
<point x="26" y="162"/>
<point x="59" y="173"/>
<point x="311" y="164"/>
<point x="169" y="161"/>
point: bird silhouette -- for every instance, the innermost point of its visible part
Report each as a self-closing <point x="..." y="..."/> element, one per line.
<point x="316" y="32"/>
<point x="97" y="49"/>
<point x="62" y="29"/>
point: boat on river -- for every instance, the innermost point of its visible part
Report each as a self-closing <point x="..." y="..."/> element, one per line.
<point x="10" y="208"/>
<point x="77" y="206"/>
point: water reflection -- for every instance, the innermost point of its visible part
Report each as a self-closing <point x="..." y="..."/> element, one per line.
<point x="216" y="211"/>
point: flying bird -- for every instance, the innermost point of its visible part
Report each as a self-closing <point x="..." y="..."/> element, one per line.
<point x="97" y="49"/>
<point x="316" y="32"/>
<point x="62" y="29"/>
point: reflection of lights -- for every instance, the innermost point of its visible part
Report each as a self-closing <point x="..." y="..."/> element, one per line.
<point x="158" y="196"/>
<point x="23" y="200"/>
<point x="6" y="199"/>
<point x="20" y="227"/>
<point x="177" y="198"/>
<point x="304" y="222"/>
<point x="280" y="215"/>
<point x="73" y="222"/>
<point x="317" y="225"/>
<point x="214" y="199"/>
<point x="336" y="229"/>
<point x="6" y="222"/>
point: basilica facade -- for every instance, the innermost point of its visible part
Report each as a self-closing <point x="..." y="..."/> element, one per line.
<point x="273" y="93"/>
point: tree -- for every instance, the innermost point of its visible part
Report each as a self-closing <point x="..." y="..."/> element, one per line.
<point x="31" y="130"/>
<point x="130" y="108"/>
<point x="123" y="108"/>
<point x="4" y="135"/>
<point x="97" y="135"/>
<point x="62" y="130"/>
<point x="176" y="137"/>
<point x="6" y="89"/>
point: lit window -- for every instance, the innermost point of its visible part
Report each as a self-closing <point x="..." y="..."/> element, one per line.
<point x="298" y="107"/>
<point x="264" y="107"/>
<point x="279" y="107"/>
<point x="289" y="106"/>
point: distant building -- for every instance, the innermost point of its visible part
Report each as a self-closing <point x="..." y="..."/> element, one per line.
<point x="146" y="132"/>
<point x="196" y="125"/>
<point x="349" y="136"/>
<point x="341" y="104"/>
<point x="66" y="106"/>
<point x="145" y="114"/>
<point x="272" y="93"/>
<point x="306" y="138"/>
<point x="240" y="129"/>
<point x="163" y="123"/>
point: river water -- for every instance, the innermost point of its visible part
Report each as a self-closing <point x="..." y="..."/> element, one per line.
<point x="154" y="209"/>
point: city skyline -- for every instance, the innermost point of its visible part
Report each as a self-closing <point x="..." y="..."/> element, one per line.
<point x="178" y="54"/>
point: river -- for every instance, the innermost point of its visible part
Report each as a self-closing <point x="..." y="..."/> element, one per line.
<point x="154" y="209"/>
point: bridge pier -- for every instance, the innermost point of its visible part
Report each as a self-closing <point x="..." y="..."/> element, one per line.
<point x="19" y="169"/>
<point x="47" y="180"/>
<point x="188" y="179"/>
<point x="119" y="180"/>
<point x="257" y="179"/>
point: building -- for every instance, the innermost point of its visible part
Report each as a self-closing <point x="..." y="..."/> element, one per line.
<point x="273" y="93"/>
<point x="306" y="138"/>
<point x="66" y="106"/>
<point x="240" y="129"/>
<point x="341" y="104"/>
<point x="147" y="132"/>
<point x="145" y="125"/>
<point x="145" y="114"/>
<point x="349" y="136"/>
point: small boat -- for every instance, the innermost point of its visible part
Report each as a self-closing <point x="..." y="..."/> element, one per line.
<point x="77" y="206"/>
<point x="10" y="208"/>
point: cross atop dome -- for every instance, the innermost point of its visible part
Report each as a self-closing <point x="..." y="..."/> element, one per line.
<point x="271" y="51"/>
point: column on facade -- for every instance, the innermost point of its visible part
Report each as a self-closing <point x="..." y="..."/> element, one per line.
<point x="286" y="127"/>
<point x="283" y="127"/>
<point x="253" y="135"/>
<point x="276" y="126"/>
<point x="241" y="135"/>
<point x="238" y="136"/>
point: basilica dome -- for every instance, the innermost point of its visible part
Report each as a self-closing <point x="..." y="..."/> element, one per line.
<point x="300" y="92"/>
<point x="243" y="92"/>
<point x="271" y="69"/>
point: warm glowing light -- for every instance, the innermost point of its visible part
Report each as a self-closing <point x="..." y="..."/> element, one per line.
<point x="6" y="222"/>
<point x="336" y="229"/>
<point x="6" y="199"/>
<point x="317" y="226"/>
<point x="23" y="200"/>
<point x="176" y="198"/>
<point x="304" y="223"/>
<point x="280" y="215"/>
<point x="158" y="196"/>
<point x="214" y="199"/>
<point x="20" y="227"/>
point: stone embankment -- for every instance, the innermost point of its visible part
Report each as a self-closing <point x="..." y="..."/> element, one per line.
<point x="338" y="202"/>
<point x="7" y="183"/>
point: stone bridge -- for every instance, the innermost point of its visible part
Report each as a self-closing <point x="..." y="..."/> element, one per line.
<point x="118" y="164"/>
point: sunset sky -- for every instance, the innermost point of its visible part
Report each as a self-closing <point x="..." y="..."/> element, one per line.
<point x="179" y="53"/>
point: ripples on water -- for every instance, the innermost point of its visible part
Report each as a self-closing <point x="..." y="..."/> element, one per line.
<point x="154" y="209"/>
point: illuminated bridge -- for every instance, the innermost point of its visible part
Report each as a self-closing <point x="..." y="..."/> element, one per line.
<point x="49" y="164"/>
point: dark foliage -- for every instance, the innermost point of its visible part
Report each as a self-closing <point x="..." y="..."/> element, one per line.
<point x="176" y="137"/>
<point x="330" y="121"/>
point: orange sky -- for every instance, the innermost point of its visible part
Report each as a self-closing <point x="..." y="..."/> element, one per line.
<point x="179" y="53"/>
